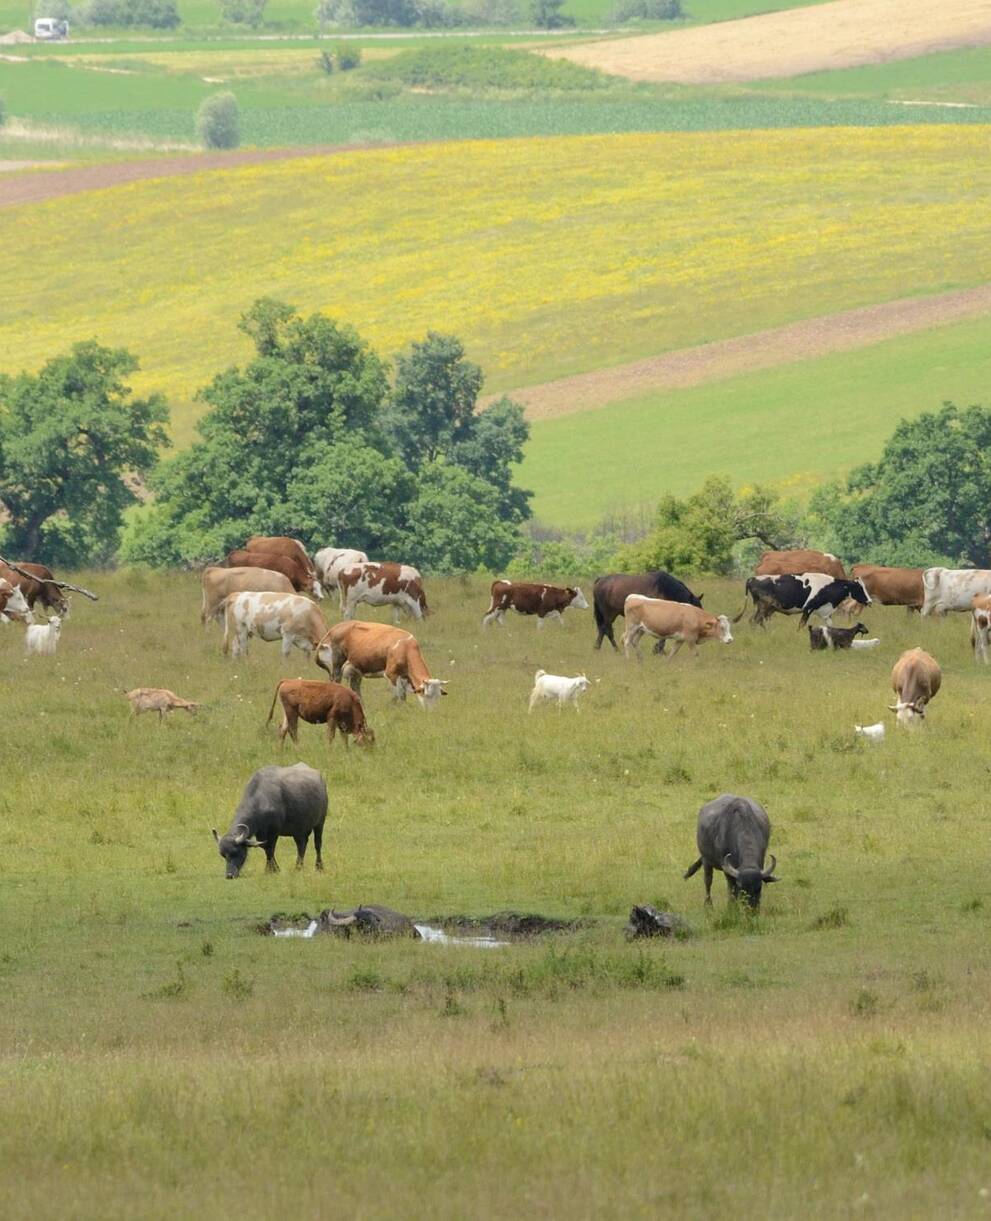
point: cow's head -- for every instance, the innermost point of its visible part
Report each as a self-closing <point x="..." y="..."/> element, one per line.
<point x="577" y="599"/>
<point x="233" y="847"/>
<point x="749" y="882"/>
<point x="909" y="712"/>
<point x="724" y="633"/>
<point x="364" y="736"/>
<point x="858" y="591"/>
<point x="16" y="606"/>
<point x="431" y="691"/>
<point x="316" y="589"/>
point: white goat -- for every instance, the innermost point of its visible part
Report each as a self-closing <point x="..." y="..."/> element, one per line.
<point x="555" y="687"/>
<point x="42" y="638"/>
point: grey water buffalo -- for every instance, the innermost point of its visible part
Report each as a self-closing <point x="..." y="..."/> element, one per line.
<point x="732" y="836"/>
<point x="277" y="801"/>
<point x="609" y="596"/>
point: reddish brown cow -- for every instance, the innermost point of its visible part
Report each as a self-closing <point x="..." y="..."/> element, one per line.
<point x="37" y="587"/>
<point x="354" y="650"/>
<point x="302" y="582"/>
<point x="321" y="703"/>
<point x="544" y="601"/>
<point x="795" y="562"/>
<point x="892" y="586"/>
<point x="280" y="544"/>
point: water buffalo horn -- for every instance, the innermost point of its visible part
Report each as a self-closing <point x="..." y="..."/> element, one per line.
<point x="770" y="868"/>
<point x="340" y="921"/>
<point x="254" y="843"/>
<point x="728" y="869"/>
<point x="242" y="835"/>
<point x="215" y="835"/>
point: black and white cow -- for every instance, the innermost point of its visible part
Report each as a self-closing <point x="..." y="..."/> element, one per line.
<point x="809" y="593"/>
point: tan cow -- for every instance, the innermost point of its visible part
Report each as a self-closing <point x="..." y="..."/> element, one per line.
<point x="782" y="563"/>
<point x="677" y="621"/>
<point x="915" y="679"/>
<point x="357" y="649"/>
<point x="219" y="582"/>
<point x="303" y="581"/>
<point x="320" y="703"/>
<point x="892" y="586"/>
<point x="158" y="699"/>
<point x="291" y="618"/>
<point x="980" y="626"/>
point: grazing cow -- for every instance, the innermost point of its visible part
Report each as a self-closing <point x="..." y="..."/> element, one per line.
<point x="41" y="639"/>
<point x="953" y="589"/>
<point x="13" y="604"/>
<point x="281" y="544"/>
<point x="277" y="801"/>
<point x="670" y="621"/>
<point x="915" y="680"/>
<point x="980" y="626"/>
<point x="356" y="649"/>
<point x="811" y="593"/>
<point x="331" y="561"/>
<point x="892" y="586"/>
<point x="320" y="703"/>
<point x="219" y="582"/>
<point x="302" y="581"/>
<point x="544" y="601"/>
<point x="609" y="596"/>
<point x="291" y="618"/>
<point x="835" y="637"/>
<point x="397" y="585"/>
<point x="794" y="562"/>
<point x="733" y="834"/>
<point x="556" y="687"/>
<point x="160" y="700"/>
<point x="37" y="587"/>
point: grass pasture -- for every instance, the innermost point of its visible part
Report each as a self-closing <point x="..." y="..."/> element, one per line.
<point x="157" y="1054"/>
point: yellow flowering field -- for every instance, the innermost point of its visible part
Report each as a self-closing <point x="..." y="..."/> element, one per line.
<point x="549" y="256"/>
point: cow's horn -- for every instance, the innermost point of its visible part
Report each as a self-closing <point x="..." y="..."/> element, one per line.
<point x="340" y="921"/>
<point x="254" y="843"/>
<point x="241" y="836"/>
<point x="769" y="871"/>
<point x="215" y="835"/>
<point x="728" y="869"/>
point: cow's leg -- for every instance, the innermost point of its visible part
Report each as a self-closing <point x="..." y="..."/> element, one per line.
<point x="674" y="652"/>
<point x="631" y="641"/>
<point x="287" y="643"/>
<point x="490" y="615"/>
<point x="352" y="676"/>
<point x="332" y="729"/>
<point x="318" y="844"/>
<point x="707" y="877"/>
<point x="270" y="863"/>
<point x="660" y="645"/>
<point x="301" y="849"/>
<point x="395" y="614"/>
<point x="540" y="620"/>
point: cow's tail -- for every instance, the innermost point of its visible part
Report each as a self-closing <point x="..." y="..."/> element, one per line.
<point x="600" y="620"/>
<point x="743" y="611"/>
<point x="271" y="711"/>
<point x="930" y="577"/>
<point x="220" y="610"/>
<point x="693" y="868"/>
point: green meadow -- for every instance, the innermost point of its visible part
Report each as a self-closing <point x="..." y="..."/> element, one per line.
<point x="159" y="1058"/>
<point x="792" y="426"/>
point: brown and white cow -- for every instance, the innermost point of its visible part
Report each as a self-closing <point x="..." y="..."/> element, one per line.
<point x="544" y="601"/>
<point x="330" y="562"/>
<point x="891" y="586"/>
<point x="36" y="587"/>
<point x="302" y="578"/>
<point x="793" y="562"/>
<point x="13" y="604"/>
<point x="915" y="680"/>
<point x="677" y="621"/>
<point x="356" y="649"/>
<point x="320" y="703"/>
<point x="219" y="582"/>
<point x="397" y="585"/>
<point x="291" y="618"/>
<point x="980" y="626"/>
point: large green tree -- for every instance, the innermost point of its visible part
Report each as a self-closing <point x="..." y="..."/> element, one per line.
<point x="72" y="439"/>
<point x="926" y="500"/>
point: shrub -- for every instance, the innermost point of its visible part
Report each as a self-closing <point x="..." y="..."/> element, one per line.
<point x="325" y="62"/>
<point x="218" y="121"/>
<point x="347" y="56"/>
<point x="159" y="14"/>
<point x="648" y="10"/>
<point x="243" y="12"/>
<point x="547" y="15"/>
<point x="469" y="67"/>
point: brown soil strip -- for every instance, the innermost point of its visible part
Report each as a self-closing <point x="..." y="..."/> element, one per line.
<point x="842" y="34"/>
<point x="710" y="362"/>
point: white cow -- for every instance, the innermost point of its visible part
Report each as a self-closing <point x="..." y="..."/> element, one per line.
<point x="13" y="604"/>
<point x="556" y="687"/>
<point x="41" y="639"/>
<point x="953" y="589"/>
<point x="330" y="562"/>
<point x="291" y="618"/>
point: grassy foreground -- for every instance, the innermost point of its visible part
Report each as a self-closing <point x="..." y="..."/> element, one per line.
<point x="159" y="1058"/>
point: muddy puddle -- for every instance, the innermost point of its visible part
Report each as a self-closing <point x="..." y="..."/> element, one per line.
<point x="480" y="932"/>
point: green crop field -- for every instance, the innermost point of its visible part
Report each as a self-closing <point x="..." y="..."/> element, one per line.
<point x="160" y="1058"/>
<point x="792" y="426"/>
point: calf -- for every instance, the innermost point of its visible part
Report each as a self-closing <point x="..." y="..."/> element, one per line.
<point x="915" y="679"/>
<point x="320" y="703"/>
<point x="158" y="699"/>
<point x="277" y="801"/>
<point x="544" y="601"/>
<point x="670" y="621"/>
<point x="732" y="835"/>
<point x="41" y="639"/>
<point x="555" y="687"/>
<point x="835" y="637"/>
<point x="980" y="626"/>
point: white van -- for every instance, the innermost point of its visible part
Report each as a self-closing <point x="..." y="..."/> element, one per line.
<point x="51" y="28"/>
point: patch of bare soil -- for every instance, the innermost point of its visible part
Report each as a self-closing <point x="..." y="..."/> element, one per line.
<point x="855" y="328"/>
<point x="842" y="34"/>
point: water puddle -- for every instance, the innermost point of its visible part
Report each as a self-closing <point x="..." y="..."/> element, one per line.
<point x="296" y="931"/>
<point x="438" y="937"/>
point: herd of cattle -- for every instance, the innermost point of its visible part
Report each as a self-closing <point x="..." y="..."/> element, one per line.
<point x="271" y="589"/>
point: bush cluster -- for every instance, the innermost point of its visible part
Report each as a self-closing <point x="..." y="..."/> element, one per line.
<point x="647" y="10"/>
<point x="461" y="66"/>
<point x="218" y="121"/>
<point x="158" y="14"/>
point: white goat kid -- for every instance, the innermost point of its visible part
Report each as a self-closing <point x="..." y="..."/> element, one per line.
<point x="556" y="687"/>
<point x="41" y="639"/>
